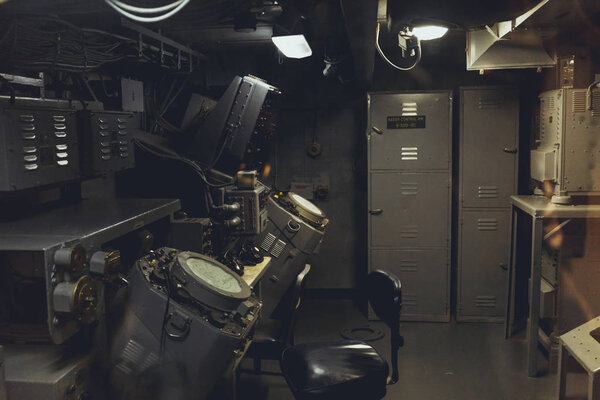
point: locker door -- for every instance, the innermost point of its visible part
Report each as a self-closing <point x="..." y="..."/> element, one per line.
<point x="416" y="131"/>
<point x="489" y="131"/>
<point x="424" y="278"/>
<point x="483" y="260"/>
<point x="414" y="209"/>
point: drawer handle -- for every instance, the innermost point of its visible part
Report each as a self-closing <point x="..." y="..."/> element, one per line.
<point x="511" y="151"/>
<point x="377" y="211"/>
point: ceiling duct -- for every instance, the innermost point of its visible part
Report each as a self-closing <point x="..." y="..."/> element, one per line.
<point x="504" y="45"/>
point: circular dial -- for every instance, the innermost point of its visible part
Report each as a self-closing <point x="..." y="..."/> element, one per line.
<point x="307" y="205"/>
<point x="213" y="275"/>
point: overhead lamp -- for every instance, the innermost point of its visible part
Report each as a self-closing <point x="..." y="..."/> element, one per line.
<point x="429" y="32"/>
<point x="292" y="46"/>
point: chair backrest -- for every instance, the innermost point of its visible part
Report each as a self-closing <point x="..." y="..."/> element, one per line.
<point x="384" y="292"/>
<point x="295" y="303"/>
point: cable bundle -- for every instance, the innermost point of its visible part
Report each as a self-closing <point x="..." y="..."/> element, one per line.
<point x="41" y="42"/>
<point x="132" y="12"/>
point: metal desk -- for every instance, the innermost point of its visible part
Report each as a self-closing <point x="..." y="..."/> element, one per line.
<point x="252" y="274"/>
<point x="538" y="208"/>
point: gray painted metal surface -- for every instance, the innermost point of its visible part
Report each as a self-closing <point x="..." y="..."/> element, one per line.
<point x="399" y="147"/>
<point x="424" y="274"/>
<point x="46" y="372"/>
<point x="415" y="209"/>
<point x="566" y="150"/>
<point x="90" y="223"/>
<point x="488" y="171"/>
<point x="409" y="138"/>
<point x="483" y="260"/>
<point x="489" y="127"/>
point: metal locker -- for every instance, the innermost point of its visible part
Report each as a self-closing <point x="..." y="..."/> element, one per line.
<point x="410" y="131"/>
<point x="483" y="263"/>
<point x="425" y="281"/>
<point x="489" y="126"/>
<point x="409" y="209"/>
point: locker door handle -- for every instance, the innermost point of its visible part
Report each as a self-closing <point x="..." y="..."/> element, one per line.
<point x="377" y="130"/>
<point x="376" y="211"/>
<point x="511" y="151"/>
<point x="504" y="266"/>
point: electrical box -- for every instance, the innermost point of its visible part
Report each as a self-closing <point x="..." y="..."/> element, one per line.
<point x="38" y="147"/>
<point x="567" y="150"/>
<point x="106" y="143"/>
<point x="253" y="212"/>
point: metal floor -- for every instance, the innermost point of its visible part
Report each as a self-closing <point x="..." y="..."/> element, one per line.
<point x="438" y="361"/>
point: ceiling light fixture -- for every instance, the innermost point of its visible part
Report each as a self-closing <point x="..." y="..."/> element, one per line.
<point x="429" y="32"/>
<point x="292" y="46"/>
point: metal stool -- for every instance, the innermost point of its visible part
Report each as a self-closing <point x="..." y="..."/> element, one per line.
<point x="582" y="343"/>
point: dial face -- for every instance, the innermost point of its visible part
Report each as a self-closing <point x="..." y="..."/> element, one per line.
<point x="307" y="205"/>
<point x="213" y="275"/>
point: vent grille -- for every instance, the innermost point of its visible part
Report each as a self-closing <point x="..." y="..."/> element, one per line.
<point x="135" y="358"/>
<point x="409" y="231"/>
<point x="409" y="189"/>
<point x="409" y="299"/>
<point x="30" y="157"/>
<point x="487" y="192"/>
<point x="113" y="141"/>
<point x="408" y="265"/>
<point x="277" y="248"/>
<point x="595" y="103"/>
<point x="60" y="150"/>
<point x="268" y="242"/>
<point x="409" y="153"/>
<point x="550" y="103"/>
<point x="409" y="109"/>
<point x="579" y="100"/>
<point x="485" y="301"/>
<point x="486" y="102"/>
<point x="487" y="224"/>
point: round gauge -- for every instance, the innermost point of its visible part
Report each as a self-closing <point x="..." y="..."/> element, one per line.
<point x="307" y="210"/>
<point x="213" y="275"/>
<point x="208" y="281"/>
<point x="307" y="205"/>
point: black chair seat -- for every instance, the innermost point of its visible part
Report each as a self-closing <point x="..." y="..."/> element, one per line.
<point x="337" y="370"/>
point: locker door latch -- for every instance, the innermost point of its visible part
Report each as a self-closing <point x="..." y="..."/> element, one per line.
<point x="509" y="150"/>
<point x="376" y="211"/>
<point x="503" y="266"/>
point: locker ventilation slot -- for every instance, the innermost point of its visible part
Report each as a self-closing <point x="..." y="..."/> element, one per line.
<point x="489" y="102"/>
<point x="409" y="154"/>
<point x="579" y="100"/>
<point x="409" y="109"/>
<point x="550" y="103"/>
<point x="596" y="103"/>
<point x="408" y="232"/>
<point x="409" y="189"/>
<point x="408" y="265"/>
<point x="409" y="299"/>
<point x="487" y="192"/>
<point x="487" y="224"/>
<point x="485" y="301"/>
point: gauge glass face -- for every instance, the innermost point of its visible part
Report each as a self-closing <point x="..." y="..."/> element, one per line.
<point x="307" y="205"/>
<point x="213" y="275"/>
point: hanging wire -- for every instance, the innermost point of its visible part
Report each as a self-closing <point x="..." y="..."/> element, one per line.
<point x="417" y="57"/>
